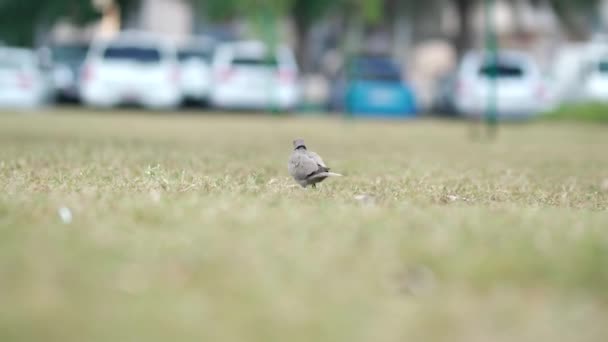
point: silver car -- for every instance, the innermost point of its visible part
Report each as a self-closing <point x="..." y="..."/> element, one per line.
<point x="23" y="82"/>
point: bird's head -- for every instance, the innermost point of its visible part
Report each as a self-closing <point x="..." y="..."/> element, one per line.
<point x="299" y="143"/>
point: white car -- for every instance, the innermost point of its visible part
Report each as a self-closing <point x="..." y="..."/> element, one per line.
<point x="195" y="71"/>
<point x="67" y="59"/>
<point x="596" y="83"/>
<point x="520" y="89"/>
<point x="247" y="75"/>
<point x="131" y="69"/>
<point x="23" y="83"/>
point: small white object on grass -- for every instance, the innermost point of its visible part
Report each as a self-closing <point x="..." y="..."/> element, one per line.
<point x="418" y="280"/>
<point x="155" y="195"/>
<point x="366" y="199"/>
<point x="604" y="185"/>
<point x="65" y="214"/>
<point x="453" y="198"/>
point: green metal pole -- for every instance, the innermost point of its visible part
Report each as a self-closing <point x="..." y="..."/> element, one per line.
<point x="267" y="23"/>
<point x="351" y="47"/>
<point x="491" y="50"/>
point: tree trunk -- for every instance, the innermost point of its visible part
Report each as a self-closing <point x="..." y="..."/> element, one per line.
<point x="127" y="8"/>
<point x="302" y="28"/>
<point x="568" y="19"/>
<point x="463" y="39"/>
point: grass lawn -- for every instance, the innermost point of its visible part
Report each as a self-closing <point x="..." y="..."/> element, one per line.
<point x="187" y="228"/>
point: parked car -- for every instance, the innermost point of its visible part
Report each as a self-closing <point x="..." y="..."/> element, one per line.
<point x="195" y="71"/>
<point x="372" y="86"/>
<point x="572" y="64"/>
<point x="249" y="75"/>
<point x="520" y="90"/>
<point x="138" y="69"/>
<point x="596" y="82"/>
<point x="67" y="62"/>
<point x="23" y="82"/>
<point x="443" y="102"/>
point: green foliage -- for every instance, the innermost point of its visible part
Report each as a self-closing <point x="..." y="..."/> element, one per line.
<point x="307" y="11"/>
<point x="224" y="9"/>
<point x="217" y="10"/>
<point x="304" y="10"/>
<point x="371" y="10"/>
<point x="20" y="19"/>
<point x="576" y="3"/>
<point x="569" y="13"/>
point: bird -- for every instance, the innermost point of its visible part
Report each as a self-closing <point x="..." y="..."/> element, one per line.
<point x="307" y="167"/>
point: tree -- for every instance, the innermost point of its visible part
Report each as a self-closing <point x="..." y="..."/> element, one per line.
<point x="265" y="12"/>
<point x="464" y="37"/>
<point x="20" y="21"/>
<point x="305" y="13"/>
<point x="573" y="14"/>
<point x="125" y="8"/>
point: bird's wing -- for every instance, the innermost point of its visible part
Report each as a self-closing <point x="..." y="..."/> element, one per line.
<point x="301" y="166"/>
<point x="317" y="159"/>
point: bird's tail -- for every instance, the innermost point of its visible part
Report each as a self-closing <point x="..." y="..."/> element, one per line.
<point x="325" y="175"/>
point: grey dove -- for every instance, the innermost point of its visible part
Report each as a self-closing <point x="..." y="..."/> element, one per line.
<point x="307" y="167"/>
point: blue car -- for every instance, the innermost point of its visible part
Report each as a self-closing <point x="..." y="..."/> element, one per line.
<point x="373" y="87"/>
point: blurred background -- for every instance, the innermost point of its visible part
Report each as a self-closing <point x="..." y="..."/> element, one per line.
<point x="396" y="58"/>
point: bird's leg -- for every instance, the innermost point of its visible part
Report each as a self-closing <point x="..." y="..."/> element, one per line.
<point x="314" y="185"/>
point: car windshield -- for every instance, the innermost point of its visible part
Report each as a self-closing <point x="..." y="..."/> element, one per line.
<point x="603" y="67"/>
<point x="132" y="53"/>
<point x="9" y="64"/>
<point x="375" y="69"/>
<point x="70" y="53"/>
<point x="501" y="69"/>
<point x="14" y="62"/>
<point x="183" y="55"/>
<point x="250" y="61"/>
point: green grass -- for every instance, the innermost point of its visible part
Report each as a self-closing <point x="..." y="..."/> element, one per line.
<point x="588" y="112"/>
<point x="187" y="228"/>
